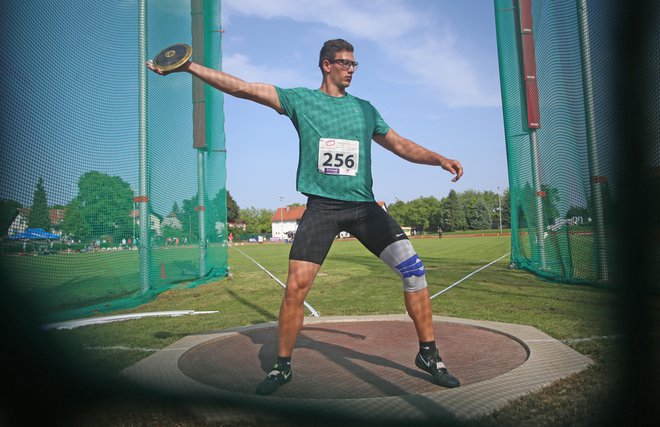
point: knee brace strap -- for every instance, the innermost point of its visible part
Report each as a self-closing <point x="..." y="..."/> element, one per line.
<point x="401" y="257"/>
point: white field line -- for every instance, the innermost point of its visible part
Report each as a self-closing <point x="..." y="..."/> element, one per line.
<point x="70" y="324"/>
<point x="122" y="348"/>
<point x="578" y="340"/>
<point x="469" y="275"/>
<point x="309" y="307"/>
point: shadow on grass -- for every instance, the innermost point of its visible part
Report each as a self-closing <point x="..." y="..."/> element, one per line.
<point x="267" y="315"/>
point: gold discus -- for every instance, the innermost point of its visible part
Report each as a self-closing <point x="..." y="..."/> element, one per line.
<point x="173" y="57"/>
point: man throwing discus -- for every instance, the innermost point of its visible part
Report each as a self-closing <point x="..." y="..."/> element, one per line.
<point x="335" y="131"/>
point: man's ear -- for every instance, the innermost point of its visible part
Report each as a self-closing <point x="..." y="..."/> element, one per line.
<point x="325" y="66"/>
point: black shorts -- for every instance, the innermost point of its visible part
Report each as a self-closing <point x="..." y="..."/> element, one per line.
<point x="325" y="218"/>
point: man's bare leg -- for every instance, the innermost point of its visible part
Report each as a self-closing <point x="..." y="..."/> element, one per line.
<point x="419" y="308"/>
<point x="418" y="305"/>
<point x="300" y="279"/>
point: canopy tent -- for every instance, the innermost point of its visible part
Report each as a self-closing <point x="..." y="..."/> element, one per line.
<point x="35" y="234"/>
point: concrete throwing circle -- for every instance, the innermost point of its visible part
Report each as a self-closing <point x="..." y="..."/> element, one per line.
<point x="362" y="367"/>
<point x="352" y="360"/>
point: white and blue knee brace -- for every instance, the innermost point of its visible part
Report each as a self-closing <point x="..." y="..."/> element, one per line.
<point x="401" y="257"/>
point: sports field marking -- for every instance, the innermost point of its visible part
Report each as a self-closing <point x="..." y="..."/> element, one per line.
<point x="578" y="340"/>
<point x="122" y="348"/>
<point x="309" y="307"/>
<point x="469" y="275"/>
<point x="71" y="324"/>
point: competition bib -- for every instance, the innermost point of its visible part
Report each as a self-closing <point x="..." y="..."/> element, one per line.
<point x="338" y="156"/>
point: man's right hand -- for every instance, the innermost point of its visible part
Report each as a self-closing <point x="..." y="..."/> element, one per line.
<point x="157" y="70"/>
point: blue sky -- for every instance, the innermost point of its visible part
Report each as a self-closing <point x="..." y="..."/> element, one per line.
<point x="429" y="66"/>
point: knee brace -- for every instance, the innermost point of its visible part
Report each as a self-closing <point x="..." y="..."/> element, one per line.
<point x="401" y="257"/>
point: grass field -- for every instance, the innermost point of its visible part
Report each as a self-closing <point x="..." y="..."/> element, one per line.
<point x="354" y="282"/>
<point x="64" y="282"/>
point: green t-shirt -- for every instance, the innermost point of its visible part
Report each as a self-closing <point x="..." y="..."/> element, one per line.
<point x="335" y="142"/>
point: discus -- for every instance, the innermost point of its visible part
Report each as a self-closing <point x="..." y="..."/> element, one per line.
<point x="173" y="57"/>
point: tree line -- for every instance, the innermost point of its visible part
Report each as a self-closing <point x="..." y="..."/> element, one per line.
<point x="103" y="207"/>
<point x="469" y="210"/>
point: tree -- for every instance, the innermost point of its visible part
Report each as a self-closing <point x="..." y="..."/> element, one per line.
<point x="492" y="201"/>
<point x="73" y="224"/>
<point x="480" y="216"/>
<point x="233" y="210"/>
<point x="104" y="204"/>
<point x="506" y="209"/>
<point x="8" y="212"/>
<point x="216" y="213"/>
<point x="190" y="218"/>
<point x="550" y="201"/>
<point x="39" y="212"/>
<point x="176" y="210"/>
<point x="399" y="211"/>
<point x="578" y="211"/>
<point x="453" y="216"/>
<point x="257" y="221"/>
<point x="424" y="213"/>
<point x="468" y="200"/>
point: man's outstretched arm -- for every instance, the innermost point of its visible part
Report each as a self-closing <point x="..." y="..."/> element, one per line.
<point x="413" y="152"/>
<point x="261" y="93"/>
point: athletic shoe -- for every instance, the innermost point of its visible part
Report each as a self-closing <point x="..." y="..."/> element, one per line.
<point x="434" y="366"/>
<point x="274" y="380"/>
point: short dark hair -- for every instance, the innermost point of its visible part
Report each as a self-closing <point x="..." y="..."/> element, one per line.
<point x="331" y="48"/>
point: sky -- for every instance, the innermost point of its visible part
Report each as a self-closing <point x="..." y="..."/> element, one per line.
<point x="429" y="67"/>
<point x="70" y="102"/>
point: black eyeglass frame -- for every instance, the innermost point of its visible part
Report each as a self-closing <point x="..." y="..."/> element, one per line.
<point x="345" y="64"/>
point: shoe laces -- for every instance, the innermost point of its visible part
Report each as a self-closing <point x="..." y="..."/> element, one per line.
<point x="435" y="360"/>
<point x="276" y="373"/>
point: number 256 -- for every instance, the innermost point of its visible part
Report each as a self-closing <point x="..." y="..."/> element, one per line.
<point x="339" y="160"/>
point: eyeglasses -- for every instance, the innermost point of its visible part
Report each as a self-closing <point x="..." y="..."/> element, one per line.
<point x="345" y="64"/>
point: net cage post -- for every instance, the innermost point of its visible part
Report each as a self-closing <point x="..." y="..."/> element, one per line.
<point x="596" y="180"/>
<point x="199" y="126"/>
<point x="528" y="67"/>
<point x="201" y="208"/>
<point x="142" y="198"/>
<point x="538" y="196"/>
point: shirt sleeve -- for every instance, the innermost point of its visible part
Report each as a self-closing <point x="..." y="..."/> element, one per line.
<point x="288" y="98"/>
<point x="381" y="127"/>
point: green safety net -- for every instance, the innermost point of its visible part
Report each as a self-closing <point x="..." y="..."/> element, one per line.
<point x="113" y="178"/>
<point x="556" y="65"/>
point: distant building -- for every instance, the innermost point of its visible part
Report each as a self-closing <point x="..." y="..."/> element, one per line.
<point x="56" y="217"/>
<point x="285" y="220"/>
<point x="20" y="222"/>
<point x="172" y="221"/>
<point x="154" y="221"/>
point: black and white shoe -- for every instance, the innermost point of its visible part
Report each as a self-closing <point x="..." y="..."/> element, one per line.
<point x="275" y="378"/>
<point x="434" y="366"/>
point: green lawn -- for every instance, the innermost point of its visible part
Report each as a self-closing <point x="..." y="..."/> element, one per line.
<point x="353" y="282"/>
<point x="63" y="282"/>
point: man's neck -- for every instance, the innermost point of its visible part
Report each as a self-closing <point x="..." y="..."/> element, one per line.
<point x="332" y="90"/>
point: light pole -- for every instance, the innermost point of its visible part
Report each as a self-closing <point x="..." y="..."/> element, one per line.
<point x="133" y="214"/>
<point x="281" y="218"/>
<point x="499" y="198"/>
